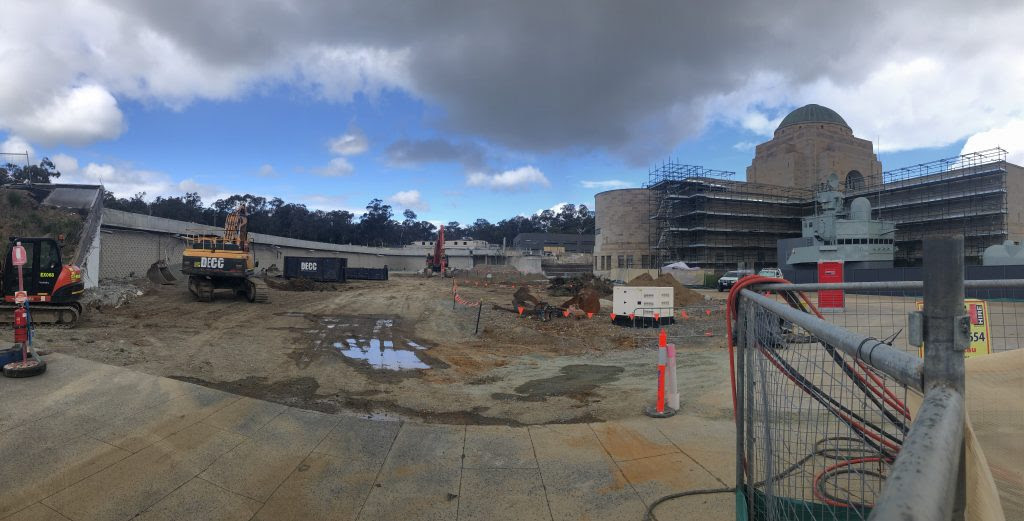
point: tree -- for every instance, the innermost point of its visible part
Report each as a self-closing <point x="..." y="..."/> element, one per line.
<point x="42" y="173"/>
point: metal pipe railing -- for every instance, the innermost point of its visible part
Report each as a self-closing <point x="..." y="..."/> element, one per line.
<point x="924" y="477"/>
<point x="886" y="285"/>
<point x="907" y="369"/>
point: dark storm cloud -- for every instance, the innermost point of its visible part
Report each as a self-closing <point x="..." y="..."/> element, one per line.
<point x="633" y="78"/>
<point x="415" y="152"/>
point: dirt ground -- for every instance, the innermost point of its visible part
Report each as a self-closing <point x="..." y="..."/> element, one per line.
<point x="398" y="347"/>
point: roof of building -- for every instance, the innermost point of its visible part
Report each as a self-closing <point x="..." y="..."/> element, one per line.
<point x="812" y="114"/>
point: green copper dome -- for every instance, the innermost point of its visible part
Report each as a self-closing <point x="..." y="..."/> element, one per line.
<point x="812" y="114"/>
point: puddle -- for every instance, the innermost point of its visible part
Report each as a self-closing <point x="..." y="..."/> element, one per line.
<point x="575" y="381"/>
<point x="375" y="342"/>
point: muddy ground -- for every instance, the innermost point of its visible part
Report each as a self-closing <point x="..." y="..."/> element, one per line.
<point x="398" y="347"/>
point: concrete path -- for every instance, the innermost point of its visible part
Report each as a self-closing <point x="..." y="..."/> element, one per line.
<point x="91" y="442"/>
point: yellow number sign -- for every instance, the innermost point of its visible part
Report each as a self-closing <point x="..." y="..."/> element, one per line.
<point x="977" y="312"/>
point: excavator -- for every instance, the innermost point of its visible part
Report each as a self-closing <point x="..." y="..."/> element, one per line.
<point x="225" y="261"/>
<point x="52" y="288"/>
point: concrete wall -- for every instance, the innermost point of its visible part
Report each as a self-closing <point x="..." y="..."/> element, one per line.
<point x="130" y="243"/>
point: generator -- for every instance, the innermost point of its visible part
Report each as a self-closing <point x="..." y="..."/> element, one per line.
<point x="642" y="303"/>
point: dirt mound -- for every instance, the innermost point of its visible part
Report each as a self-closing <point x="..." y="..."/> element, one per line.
<point x="563" y="287"/>
<point x="683" y="295"/>
<point x="299" y="284"/>
<point x="24" y="216"/>
<point x="587" y="301"/>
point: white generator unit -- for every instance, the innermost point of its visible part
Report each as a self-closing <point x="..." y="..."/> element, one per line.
<point x="645" y="302"/>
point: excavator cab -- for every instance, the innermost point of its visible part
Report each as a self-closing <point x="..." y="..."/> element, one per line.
<point x="52" y="287"/>
<point x="44" y="274"/>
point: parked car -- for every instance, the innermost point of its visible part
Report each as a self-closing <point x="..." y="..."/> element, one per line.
<point x="771" y="272"/>
<point x="730" y="278"/>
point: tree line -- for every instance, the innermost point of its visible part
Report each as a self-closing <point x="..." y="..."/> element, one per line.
<point x="377" y="226"/>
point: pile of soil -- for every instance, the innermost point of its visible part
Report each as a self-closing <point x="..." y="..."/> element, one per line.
<point x="299" y="284"/>
<point x="683" y="295"/>
<point x="563" y="287"/>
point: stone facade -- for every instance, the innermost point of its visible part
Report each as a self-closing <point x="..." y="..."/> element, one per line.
<point x="803" y="154"/>
<point x="621" y="241"/>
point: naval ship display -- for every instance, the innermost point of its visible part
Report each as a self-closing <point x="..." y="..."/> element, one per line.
<point x="835" y="234"/>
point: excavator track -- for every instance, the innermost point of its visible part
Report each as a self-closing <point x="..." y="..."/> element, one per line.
<point x="260" y="291"/>
<point x="59" y="316"/>
<point x="201" y="288"/>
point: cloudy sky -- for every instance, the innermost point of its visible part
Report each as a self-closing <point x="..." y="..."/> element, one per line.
<point x="465" y="109"/>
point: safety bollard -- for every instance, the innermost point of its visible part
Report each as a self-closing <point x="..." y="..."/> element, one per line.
<point x="671" y="384"/>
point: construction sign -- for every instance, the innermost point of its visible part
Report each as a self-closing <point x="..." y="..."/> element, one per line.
<point x="981" y="338"/>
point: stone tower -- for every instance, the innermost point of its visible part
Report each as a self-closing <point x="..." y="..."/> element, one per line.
<point x="811" y="143"/>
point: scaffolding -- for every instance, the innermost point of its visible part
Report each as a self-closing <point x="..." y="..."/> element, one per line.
<point x="701" y="217"/>
<point x="962" y="195"/>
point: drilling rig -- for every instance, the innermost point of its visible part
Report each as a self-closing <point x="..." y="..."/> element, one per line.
<point x="438" y="261"/>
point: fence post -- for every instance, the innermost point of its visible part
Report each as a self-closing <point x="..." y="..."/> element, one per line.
<point x="479" y="306"/>
<point x="739" y="341"/>
<point x="944" y="330"/>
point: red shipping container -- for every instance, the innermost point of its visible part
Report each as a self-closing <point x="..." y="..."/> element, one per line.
<point x="829" y="272"/>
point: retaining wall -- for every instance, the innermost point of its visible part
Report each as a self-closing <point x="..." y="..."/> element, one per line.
<point x="130" y="243"/>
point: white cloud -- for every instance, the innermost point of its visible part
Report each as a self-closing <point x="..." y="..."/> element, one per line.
<point x="266" y="170"/>
<point x="328" y="203"/>
<point x="124" y="180"/>
<point x="744" y="146"/>
<point x="518" y="179"/>
<point x="78" y="116"/>
<point x="15" y="145"/>
<point x="351" y="143"/>
<point x="65" y="163"/>
<point x="608" y="184"/>
<point x="556" y="208"/>
<point x="410" y="199"/>
<point x="336" y="167"/>
<point x="1009" y="137"/>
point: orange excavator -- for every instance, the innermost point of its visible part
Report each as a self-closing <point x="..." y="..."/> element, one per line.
<point x="52" y="288"/>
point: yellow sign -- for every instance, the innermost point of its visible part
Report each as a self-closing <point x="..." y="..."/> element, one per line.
<point x="981" y="338"/>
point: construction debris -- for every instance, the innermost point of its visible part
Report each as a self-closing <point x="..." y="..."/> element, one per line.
<point x="587" y="301"/>
<point x="571" y="287"/>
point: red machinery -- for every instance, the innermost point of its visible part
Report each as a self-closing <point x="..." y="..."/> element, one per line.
<point x="438" y="261"/>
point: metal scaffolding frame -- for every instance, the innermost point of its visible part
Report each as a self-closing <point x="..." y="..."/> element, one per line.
<point x="962" y="195"/>
<point x="701" y="216"/>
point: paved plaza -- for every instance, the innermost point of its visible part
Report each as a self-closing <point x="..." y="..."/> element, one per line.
<point x="92" y="442"/>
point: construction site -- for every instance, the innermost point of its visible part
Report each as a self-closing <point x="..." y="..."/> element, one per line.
<point x="178" y="370"/>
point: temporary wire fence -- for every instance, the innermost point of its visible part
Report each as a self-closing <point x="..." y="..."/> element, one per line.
<point x="824" y="428"/>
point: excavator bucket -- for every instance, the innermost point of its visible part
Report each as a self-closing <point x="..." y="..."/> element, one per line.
<point x="158" y="273"/>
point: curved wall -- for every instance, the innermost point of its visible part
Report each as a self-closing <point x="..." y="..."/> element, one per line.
<point x="622" y="227"/>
